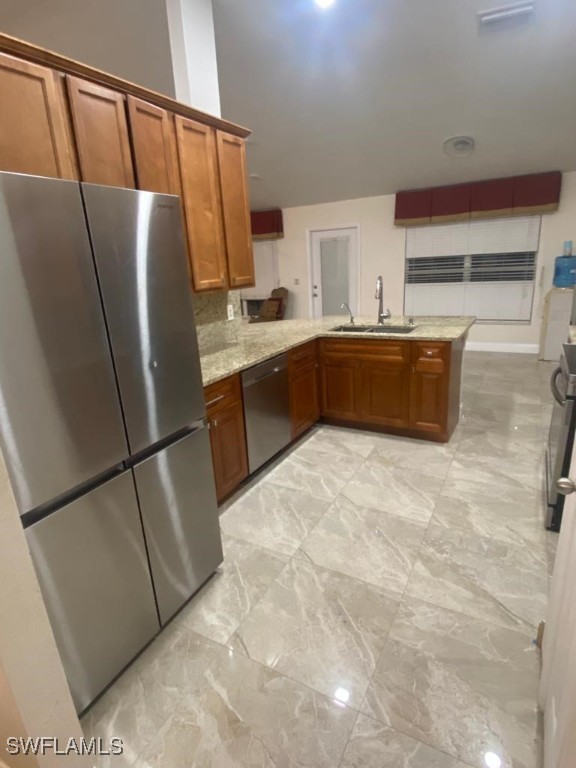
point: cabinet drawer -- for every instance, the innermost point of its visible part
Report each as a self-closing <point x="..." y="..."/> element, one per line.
<point x="393" y="351"/>
<point x="222" y="394"/>
<point x="302" y="356"/>
<point x="430" y="355"/>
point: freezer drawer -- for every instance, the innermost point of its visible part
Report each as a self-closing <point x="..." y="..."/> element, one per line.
<point x="143" y="270"/>
<point x="60" y="419"/>
<point x="93" y="572"/>
<point x="180" y="514"/>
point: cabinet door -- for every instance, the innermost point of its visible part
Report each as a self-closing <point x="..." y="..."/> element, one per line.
<point x="340" y="388"/>
<point x="304" y="409"/>
<point x="385" y="392"/>
<point x="429" y="386"/>
<point x="101" y="134"/>
<point x="228" y="441"/>
<point x="202" y="204"/>
<point x="154" y="143"/>
<point x="236" y="209"/>
<point x="35" y="135"/>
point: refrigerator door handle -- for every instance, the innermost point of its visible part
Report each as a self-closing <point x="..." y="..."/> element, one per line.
<point x="554" y="387"/>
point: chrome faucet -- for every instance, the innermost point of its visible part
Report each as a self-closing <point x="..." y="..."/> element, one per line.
<point x="345" y="306"/>
<point x="383" y="314"/>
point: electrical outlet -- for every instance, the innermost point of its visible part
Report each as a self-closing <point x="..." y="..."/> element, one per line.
<point x="230" y="311"/>
<point x="297" y="281"/>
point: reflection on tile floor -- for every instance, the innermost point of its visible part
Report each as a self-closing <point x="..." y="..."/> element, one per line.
<point x="375" y="609"/>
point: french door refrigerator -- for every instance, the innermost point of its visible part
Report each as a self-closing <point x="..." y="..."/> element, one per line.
<point x="102" y="416"/>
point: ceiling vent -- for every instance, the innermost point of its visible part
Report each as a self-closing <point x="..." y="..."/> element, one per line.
<point x="459" y="146"/>
<point x="506" y="12"/>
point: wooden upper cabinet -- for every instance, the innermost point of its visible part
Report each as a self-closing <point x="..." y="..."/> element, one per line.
<point x="35" y="135"/>
<point x="202" y="205"/>
<point x="236" y="207"/>
<point x="101" y="130"/>
<point x="154" y="145"/>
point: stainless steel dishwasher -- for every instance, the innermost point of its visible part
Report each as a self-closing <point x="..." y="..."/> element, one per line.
<point x="267" y="410"/>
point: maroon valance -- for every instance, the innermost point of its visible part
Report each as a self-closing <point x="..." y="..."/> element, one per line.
<point x="514" y="196"/>
<point x="267" y="225"/>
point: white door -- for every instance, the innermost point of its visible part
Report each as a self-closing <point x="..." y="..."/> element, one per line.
<point x="334" y="271"/>
<point x="558" y="684"/>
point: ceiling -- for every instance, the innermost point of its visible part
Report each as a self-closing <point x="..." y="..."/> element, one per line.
<point x="356" y="100"/>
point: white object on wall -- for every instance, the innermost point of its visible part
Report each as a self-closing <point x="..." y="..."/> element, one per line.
<point x="555" y="322"/>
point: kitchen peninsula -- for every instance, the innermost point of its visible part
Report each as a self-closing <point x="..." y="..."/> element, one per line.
<point x="402" y="383"/>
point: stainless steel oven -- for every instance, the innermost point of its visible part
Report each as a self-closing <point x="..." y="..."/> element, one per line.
<point x="561" y="435"/>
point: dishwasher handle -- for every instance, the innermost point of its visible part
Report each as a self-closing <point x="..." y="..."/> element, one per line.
<point x="265" y="375"/>
<point x="263" y="371"/>
<point x="554" y="387"/>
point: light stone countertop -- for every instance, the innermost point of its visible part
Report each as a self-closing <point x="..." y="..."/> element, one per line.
<point x="256" y="342"/>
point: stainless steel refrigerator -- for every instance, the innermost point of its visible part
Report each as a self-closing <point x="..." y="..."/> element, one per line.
<point x="102" y="416"/>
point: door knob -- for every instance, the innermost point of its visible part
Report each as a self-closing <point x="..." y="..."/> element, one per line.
<point x="565" y="486"/>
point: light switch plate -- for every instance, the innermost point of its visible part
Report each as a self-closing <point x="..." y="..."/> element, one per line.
<point x="230" y="311"/>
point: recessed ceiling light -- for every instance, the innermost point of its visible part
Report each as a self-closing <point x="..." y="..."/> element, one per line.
<point x="255" y="176"/>
<point x="459" y="146"/>
<point x="324" y="3"/>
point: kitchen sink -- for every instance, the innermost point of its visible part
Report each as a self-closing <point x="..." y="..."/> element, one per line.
<point x="373" y="329"/>
<point x="391" y="329"/>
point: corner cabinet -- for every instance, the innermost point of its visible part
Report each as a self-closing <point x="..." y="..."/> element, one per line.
<point x="215" y="196"/>
<point x="303" y="387"/>
<point x="407" y="388"/>
<point x="225" y="411"/>
<point x="35" y="131"/>
<point x="202" y="204"/>
<point x="236" y="210"/>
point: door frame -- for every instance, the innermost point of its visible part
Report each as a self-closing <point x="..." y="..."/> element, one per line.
<point x="353" y="230"/>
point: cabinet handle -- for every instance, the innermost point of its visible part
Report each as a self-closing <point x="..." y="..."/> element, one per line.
<point x="215" y="423"/>
<point x="215" y="400"/>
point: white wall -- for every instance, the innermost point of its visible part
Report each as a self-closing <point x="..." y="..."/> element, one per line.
<point x="191" y="26"/>
<point x="128" y="38"/>
<point x="382" y="248"/>
<point x="33" y="688"/>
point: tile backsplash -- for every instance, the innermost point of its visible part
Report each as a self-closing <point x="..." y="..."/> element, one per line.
<point x="214" y="329"/>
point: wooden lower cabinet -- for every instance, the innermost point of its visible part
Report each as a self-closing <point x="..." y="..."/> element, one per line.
<point x="225" y="412"/>
<point x="340" y="395"/>
<point x="403" y="387"/>
<point x="429" y="386"/>
<point x="385" y="389"/>
<point x="303" y="385"/>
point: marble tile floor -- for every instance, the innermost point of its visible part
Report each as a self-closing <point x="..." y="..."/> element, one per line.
<point x="376" y="607"/>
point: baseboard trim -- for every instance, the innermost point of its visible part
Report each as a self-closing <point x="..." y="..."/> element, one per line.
<point x="495" y="346"/>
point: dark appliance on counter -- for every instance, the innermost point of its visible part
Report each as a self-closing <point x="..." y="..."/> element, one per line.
<point x="561" y="435"/>
<point x="102" y="415"/>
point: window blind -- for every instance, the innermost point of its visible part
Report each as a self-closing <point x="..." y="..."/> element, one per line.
<point x="481" y="268"/>
<point x="516" y="235"/>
